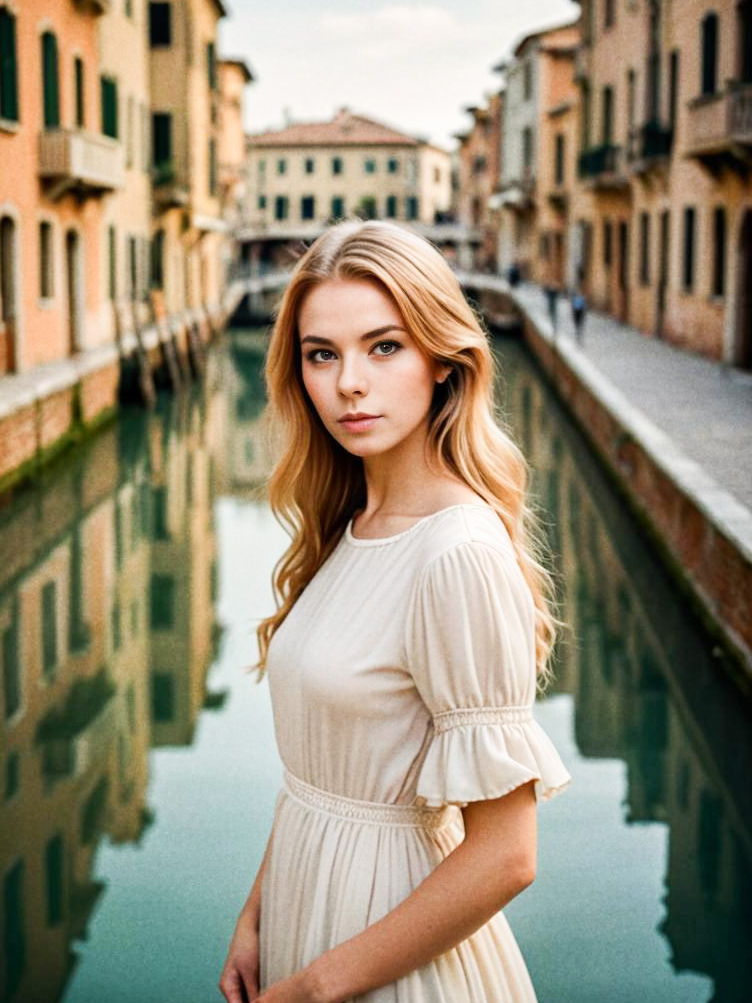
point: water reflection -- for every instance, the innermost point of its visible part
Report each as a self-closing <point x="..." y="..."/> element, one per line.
<point x="649" y="688"/>
<point x="108" y="627"/>
<point x="107" y="589"/>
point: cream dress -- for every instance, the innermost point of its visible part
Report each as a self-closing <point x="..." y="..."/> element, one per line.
<point x="402" y="683"/>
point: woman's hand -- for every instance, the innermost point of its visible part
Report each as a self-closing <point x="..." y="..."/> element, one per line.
<point x="239" y="980"/>
<point x="298" y="988"/>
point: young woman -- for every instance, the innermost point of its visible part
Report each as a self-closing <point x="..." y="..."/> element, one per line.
<point x="403" y="657"/>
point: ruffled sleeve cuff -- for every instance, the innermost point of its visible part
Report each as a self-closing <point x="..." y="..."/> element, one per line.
<point x="483" y="753"/>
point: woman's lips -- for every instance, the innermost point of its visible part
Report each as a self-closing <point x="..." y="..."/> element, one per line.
<point x="359" y="424"/>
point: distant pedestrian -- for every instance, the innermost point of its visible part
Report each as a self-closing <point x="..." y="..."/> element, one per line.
<point x="552" y="302"/>
<point x="514" y="274"/>
<point x="579" y="308"/>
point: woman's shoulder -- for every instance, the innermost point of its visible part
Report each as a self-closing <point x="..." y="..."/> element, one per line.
<point x="459" y="530"/>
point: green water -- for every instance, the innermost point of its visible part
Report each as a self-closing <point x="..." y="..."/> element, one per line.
<point x="139" y="769"/>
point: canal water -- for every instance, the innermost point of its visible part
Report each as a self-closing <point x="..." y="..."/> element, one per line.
<point x="139" y="770"/>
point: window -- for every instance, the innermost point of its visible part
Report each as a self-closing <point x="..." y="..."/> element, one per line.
<point x="631" y="101"/>
<point x="261" y="167"/>
<point x="307" y="207"/>
<point x="132" y="289"/>
<point x="8" y="66"/>
<point x="527" y="149"/>
<point x="129" y="131"/>
<point x="608" y="246"/>
<point x="262" y="201"/>
<point x="688" y="270"/>
<point x="112" y="261"/>
<point x="14" y="927"/>
<point x="211" y="65"/>
<point x="160" y="27"/>
<point x="129" y="8"/>
<point x="644" y="249"/>
<point x="157" y="264"/>
<point x="609" y="10"/>
<point x="161" y="138"/>
<point x="391" y="206"/>
<point x="411" y="207"/>
<point x="719" y="251"/>
<point x="53" y="868"/>
<point x="281" y="207"/>
<point x="369" y="166"/>
<point x="607" y="124"/>
<point x="12" y="774"/>
<point x="49" y="628"/>
<point x="673" y="88"/>
<point x="338" y="207"/>
<point x="367" y="207"/>
<point x="46" y="289"/>
<point x="527" y="79"/>
<point x="709" y="54"/>
<point x="744" y="16"/>
<point x="162" y="602"/>
<point x="11" y="667"/>
<point x="559" y="154"/>
<point x="437" y="175"/>
<point x="337" y="165"/>
<point x="586" y="115"/>
<point x="212" y="167"/>
<point x="392" y="165"/>
<point x="162" y="696"/>
<point x="281" y="166"/>
<point x="109" y="106"/>
<point x="310" y="165"/>
<point x="50" y="91"/>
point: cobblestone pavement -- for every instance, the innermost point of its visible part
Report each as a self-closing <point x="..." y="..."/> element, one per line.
<point x="704" y="406"/>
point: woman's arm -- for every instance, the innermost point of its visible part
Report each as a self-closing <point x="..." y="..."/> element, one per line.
<point x="495" y="862"/>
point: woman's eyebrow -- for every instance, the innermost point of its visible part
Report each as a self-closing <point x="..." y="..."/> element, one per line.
<point x="377" y="331"/>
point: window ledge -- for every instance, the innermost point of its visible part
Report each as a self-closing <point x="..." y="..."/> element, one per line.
<point x="9" y="125"/>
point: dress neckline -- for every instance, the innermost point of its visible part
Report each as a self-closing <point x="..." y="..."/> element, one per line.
<point x="357" y="541"/>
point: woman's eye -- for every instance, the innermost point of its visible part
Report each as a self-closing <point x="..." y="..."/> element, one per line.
<point x="320" y="355"/>
<point x="386" y="347"/>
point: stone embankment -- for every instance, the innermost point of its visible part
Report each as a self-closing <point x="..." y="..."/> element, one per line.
<point x="674" y="431"/>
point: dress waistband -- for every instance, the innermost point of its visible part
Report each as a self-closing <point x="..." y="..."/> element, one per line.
<point x="366" y="811"/>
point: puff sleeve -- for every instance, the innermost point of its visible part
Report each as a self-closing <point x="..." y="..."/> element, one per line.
<point x="470" y="648"/>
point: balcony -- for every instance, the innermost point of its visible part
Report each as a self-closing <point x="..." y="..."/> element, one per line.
<point x="558" y="199"/>
<point x="719" y="130"/>
<point x="649" y="146"/>
<point x="169" y="192"/>
<point x="602" y="168"/>
<point x="83" y="162"/>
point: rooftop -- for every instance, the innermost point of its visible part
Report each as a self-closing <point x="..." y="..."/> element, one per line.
<point x="345" y="129"/>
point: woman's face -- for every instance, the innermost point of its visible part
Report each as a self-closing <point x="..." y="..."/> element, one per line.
<point x="359" y="362"/>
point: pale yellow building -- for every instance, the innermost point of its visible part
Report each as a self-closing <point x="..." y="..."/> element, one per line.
<point x="188" y="227"/>
<point x="306" y="174"/>
<point x="126" y="236"/>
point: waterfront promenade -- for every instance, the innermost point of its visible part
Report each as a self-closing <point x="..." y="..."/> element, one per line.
<point x="674" y="428"/>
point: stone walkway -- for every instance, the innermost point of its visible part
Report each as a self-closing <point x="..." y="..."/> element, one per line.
<point x="705" y="407"/>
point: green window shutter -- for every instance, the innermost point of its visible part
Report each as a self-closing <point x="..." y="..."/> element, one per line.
<point x="211" y="65"/>
<point x="8" y="67"/>
<point x="50" y="88"/>
<point x="54" y="863"/>
<point x="78" y="85"/>
<point x="109" y="107"/>
<point x="161" y="129"/>
<point x="212" y="167"/>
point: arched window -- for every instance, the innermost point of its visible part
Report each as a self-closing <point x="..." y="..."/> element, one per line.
<point x="50" y="89"/>
<point x="709" y="54"/>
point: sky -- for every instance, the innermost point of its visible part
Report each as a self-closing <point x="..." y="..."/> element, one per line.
<point x="415" y="66"/>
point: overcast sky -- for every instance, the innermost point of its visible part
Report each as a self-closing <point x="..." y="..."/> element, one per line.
<point x="411" y="65"/>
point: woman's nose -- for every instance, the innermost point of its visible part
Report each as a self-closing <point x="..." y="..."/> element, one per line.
<point x="352" y="378"/>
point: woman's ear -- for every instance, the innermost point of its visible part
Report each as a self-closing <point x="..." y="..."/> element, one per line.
<point x="443" y="373"/>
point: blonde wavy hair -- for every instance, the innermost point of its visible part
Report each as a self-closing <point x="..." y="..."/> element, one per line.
<point x="317" y="486"/>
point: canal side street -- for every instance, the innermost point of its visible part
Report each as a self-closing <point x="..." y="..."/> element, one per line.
<point x="674" y="429"/>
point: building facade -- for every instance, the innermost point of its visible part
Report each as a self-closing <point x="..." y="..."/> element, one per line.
<point x="478" y="178"/>
<point x="307" y="174"/>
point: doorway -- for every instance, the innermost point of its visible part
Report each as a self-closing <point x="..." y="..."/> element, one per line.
<point x="7" y="295"/>
<point x="74" y="279"/>
<point x="624" y="271"/>
<point x="743" y="341"/>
